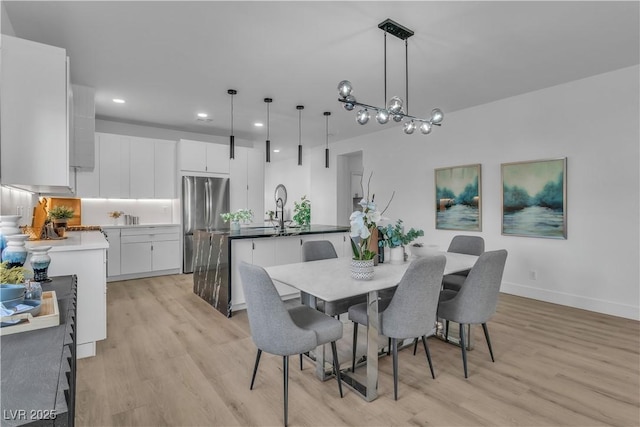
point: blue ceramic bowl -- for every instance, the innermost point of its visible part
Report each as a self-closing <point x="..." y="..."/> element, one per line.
<point x="11" y="292"/>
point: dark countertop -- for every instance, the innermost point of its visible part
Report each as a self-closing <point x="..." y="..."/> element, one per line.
<point x="256" y="232"/>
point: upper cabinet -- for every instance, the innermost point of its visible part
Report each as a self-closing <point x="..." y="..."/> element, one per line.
<point x="34" y="111"/>
<point x="129" y="167"/>
<point x="83" y="125"/>
<point x="246" y="184"/>
<point x="197" y="156"/>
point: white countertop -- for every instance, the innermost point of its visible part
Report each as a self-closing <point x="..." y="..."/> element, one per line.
<point x="110" y="226"/>
<point x="75" y="241"/>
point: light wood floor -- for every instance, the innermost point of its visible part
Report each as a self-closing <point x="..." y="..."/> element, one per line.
<point x="170" y="359"/>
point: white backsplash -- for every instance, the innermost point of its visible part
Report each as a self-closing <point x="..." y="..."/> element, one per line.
<point x="95" y="211"/>
<point x="17" y="202"/>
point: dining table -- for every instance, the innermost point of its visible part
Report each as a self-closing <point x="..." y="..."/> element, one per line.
<point x="330" y="280"/>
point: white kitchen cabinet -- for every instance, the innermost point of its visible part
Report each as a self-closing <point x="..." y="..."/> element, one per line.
<point x="241" y="250"/>
<point x="83" y="253"/>
<point x="34" y="111"/>
<point x="149" y="251"/>
<point x="165" y="169"/>
<point x="114" y="166"/>
<point x="198" y="156"/>
<point x="88" y="181"/>
<point x="246" y="184"/>
<point x="141" y="168"/>
<point x="82" y="141"/>
<point x="113" y="253"/>
<point x="341" y="243"/>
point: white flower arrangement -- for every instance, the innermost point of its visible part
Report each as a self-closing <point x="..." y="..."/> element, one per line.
<point x="362" y="222"/>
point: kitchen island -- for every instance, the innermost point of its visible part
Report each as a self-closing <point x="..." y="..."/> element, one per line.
<point x="219" y="253"/>
<point x="83" y="254"/>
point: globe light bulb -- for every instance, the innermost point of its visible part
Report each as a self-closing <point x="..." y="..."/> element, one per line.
<point x="344" y="88"/>
<point x="363" y="116"/>
<point x="350" y="103"/>
<point x="409" y="127"/>
<point x="394" y="105"/>
<point x="436" y="116"/>
<point x="382" y="117"/>
<point x="425" y="128"/>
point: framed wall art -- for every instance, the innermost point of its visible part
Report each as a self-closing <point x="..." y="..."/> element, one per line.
<point x="534" y="198"/>
<point x="458" y="198"/>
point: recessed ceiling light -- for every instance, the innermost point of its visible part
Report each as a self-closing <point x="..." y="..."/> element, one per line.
<point x="276" y="151"/>
<point x="118" y="100"/>
<point x="203" y="115"/>
<point x="258" y="124"/>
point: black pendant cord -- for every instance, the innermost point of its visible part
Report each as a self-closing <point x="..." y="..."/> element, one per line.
<point x="232" y="145"/>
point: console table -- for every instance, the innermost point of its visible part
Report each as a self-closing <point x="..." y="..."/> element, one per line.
<point x="39" y="367"/>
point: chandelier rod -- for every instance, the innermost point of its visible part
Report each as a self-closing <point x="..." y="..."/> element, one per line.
<point x="406" y="73"/>
<point x="385" y="68"/>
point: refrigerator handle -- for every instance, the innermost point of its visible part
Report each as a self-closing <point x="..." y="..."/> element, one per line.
<point x="207" y="203"/>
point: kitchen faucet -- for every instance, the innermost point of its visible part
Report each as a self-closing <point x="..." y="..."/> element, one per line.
<point x="280" y="205"/>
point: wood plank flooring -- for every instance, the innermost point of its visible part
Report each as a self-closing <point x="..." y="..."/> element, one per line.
<point x="171" y="359"/>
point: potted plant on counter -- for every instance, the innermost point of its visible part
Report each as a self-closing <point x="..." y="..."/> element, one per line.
<point x="302" y="212"/>
<point x="241" y="215"/>
<point x="396" y="238"/>
<point x="60" y="215"/>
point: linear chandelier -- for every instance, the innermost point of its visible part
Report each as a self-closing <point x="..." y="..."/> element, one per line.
<point x="394" y="107"/>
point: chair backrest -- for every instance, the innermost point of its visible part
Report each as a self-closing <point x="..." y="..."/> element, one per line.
<point x="477" y="299"/>
<point x="318" y="249"/>
<point x="272" y="328"/>
<point x="412" y="310"/>
<point x="470" y="245"/>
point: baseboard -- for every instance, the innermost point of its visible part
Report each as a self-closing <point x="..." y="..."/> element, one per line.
<point x="142" y="275"/>
<point x="600" y="306"/>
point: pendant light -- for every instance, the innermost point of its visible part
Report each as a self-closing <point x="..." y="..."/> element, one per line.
<point x="232" y="143"/>
<point x="394" y="106"/>
<point x="300" y="108"/>
<point x="268" y="142"/>
<point x="326" y="150"/>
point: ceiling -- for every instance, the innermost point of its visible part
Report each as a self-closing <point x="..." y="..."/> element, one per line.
<point x="172" y="59"/>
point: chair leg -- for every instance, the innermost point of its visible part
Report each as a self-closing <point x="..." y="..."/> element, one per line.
<point x="285" y="370"/>
<point x="415" y="346"/>
<point x="336" y="366"/>
<point x="389" y="347"/>
<point x="255" y="368"/>
<point x="394" y="345"/>
<point x="463" y="346"/>
<point x="486" y="335"/>
<point x="426" y="350"/>
<point x="301" y="361"/>
<point x="446" y="330"/>
<point x="355" y="346"/>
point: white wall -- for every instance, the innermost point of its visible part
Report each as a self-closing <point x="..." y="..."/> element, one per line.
<point x="594" y="122"/>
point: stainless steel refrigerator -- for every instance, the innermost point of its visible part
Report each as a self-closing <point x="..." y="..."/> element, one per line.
<point x="203" y="200"/>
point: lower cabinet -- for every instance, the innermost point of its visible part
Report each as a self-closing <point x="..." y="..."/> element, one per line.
<point x="146" y="251"/>
<point x="267" y="251"/>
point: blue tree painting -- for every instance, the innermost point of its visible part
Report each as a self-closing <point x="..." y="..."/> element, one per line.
<point x="534" y="199"/>
<point x="458" y="198"/>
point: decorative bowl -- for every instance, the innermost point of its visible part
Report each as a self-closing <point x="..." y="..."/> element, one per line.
<point x="422" y="251"/>
<point x="11" y="292"/>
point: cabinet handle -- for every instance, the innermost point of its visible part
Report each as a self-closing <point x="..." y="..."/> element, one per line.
<point x="253" y="246"/>
<point x="300" y="242"/>
<point x="151" y="247"/>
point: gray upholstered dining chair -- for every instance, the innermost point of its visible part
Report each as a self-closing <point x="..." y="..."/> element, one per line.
<point x="470" y="245"/>
<point x="411" y="312"/>
<point x="281" y="331"/>
<point x="477" y="299"/>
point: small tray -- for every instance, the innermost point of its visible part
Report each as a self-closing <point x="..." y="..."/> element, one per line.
<point x="49" y="316"/>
